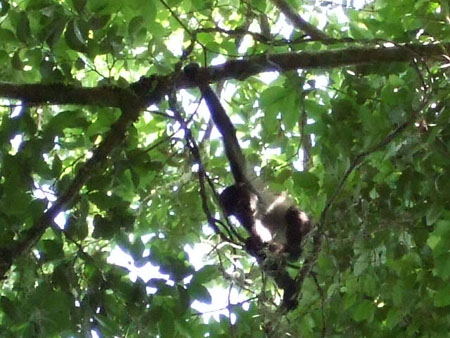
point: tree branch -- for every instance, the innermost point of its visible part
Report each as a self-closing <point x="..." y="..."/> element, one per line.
<point x="235" y="69"/>
<point x="59" y="93"/>
<point x="29" y="237"/>
<point x="244" y="68"/>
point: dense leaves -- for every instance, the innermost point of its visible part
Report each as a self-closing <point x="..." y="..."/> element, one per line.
<point x="364" y="149"/>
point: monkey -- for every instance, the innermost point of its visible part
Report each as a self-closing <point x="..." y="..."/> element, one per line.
<point x="278" y="214"/>
<point x="252" y="206"/>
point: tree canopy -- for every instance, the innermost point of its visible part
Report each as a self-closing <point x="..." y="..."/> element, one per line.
<point x="107" y="153"/>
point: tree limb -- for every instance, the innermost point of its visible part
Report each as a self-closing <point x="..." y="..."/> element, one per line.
<point x="59" y="93"/>
<point x="157" y="86"/>
<point x="31" y="236"/>
<point x="244" y="68"/>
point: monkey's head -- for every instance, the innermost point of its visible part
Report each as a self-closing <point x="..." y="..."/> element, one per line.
<point x="191" y="71"/>
<point x="237" y="199"/>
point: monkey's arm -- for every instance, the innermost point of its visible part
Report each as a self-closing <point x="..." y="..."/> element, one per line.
<point x="223" y="123"/>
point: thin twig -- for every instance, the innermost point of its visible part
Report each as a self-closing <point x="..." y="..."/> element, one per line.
<point x="298" y="21"/>
<point x="175" y="16"/>
<point x="322" y="301"/>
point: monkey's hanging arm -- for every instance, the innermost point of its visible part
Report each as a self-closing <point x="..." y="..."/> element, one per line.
<point x="236" y="159"/>
<point x="224" y="125"/>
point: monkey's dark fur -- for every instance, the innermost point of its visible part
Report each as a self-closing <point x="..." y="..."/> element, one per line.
<point x="286" y="223"/>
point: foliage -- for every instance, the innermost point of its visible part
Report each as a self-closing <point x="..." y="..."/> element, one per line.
<point x="363" y="148"/>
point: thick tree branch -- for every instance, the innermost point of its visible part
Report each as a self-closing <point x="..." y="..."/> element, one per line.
<point x="241" y="69"/>
<point x="298" y="21"/>
<point x="235" y="69"/>
<point x="65" y="94"/>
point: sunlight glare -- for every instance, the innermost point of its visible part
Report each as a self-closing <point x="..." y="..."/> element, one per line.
<point x="219" y="306"/>
<point x="283" y="27"/>
<point x="146" y="272"/>
<point x="175" y="42"/>
<point x="16" y="141"/>
<point x="268" y="77"/>
<point x="44" y="191"/>
<point x="197" y="254"/>
<point x="60" y="220"/>
<point x="16" y="111"/>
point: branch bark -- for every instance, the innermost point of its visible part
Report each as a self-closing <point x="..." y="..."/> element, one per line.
<point x="64" y="94"/>
<point x="243" y="68"/>
<point x="235" y="69"/>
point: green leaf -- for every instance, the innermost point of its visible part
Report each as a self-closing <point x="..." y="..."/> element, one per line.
<point x="9" y="308"/>
<point x="18" y="201"/>
<point x="438" y="239"/>
<point x="442" y="266"/>
<point x="105" y="7"/>
<point x="442" y="297"/>
<point x="51" y="249"/>
<point x="135" y="24"/>
<point x="66" y="119"/>
<point x="74" y="36"/>
<point x="200" y="293"/>
<point x="184" y="300"/>
<point x="306" y="180"/>
<point x="433" y="213"/>
<point x="99" y="22"/>
<point x="35" y="4"/>
<point x="361" y="264"/>
<point x="364" y="311"/>
<point x="205" y="274"/>
<point x="79" y="5"/>
<point x="261" y="5"/>
<point x="6" y="35"/>
<point x="174" y="3"/>
<point x="290" y="112"/>
<point x="394" y="317"/>
<point x="199" y="5"/>
<point x="23" y="30"/>
<point x="147" y="9"/>
<point x="272" y="95"/>
<point x="166" y="326"/>
<point x="56" y="166"/>
<point x="56" y="31"/>
<point x="16" y="62"/>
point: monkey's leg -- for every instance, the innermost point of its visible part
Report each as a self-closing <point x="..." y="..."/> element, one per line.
<point x="287" y="283"/>
<point x="298" y="225"/>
